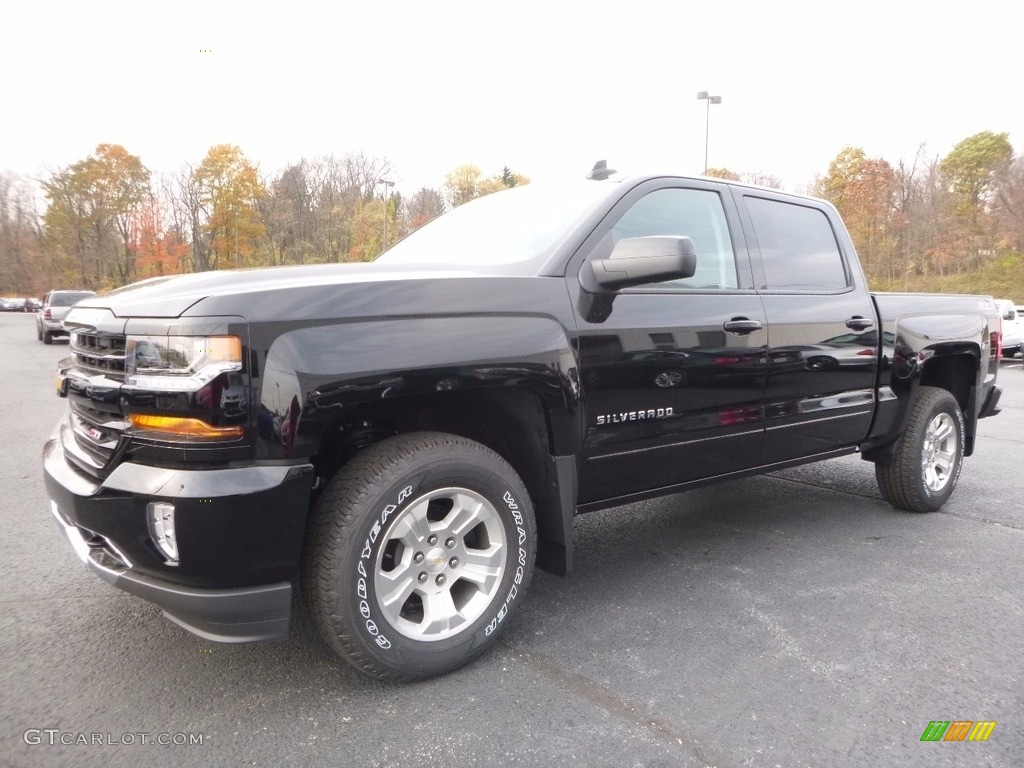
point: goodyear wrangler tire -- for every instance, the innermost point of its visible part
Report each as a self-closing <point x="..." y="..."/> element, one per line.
<point x="419" y="550"/>
<point x="927" y="459"/>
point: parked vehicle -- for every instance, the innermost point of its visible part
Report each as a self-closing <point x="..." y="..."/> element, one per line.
<point x="13" y="305"/>
<point x="54" y="307"/>
<point x="1013" y="327"/>
<point x="405" y="438"/>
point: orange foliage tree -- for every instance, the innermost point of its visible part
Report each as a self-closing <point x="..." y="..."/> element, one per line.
<point x="159" y="251"/>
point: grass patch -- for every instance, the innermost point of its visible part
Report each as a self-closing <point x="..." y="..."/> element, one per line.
<point x="1002" y="279"/>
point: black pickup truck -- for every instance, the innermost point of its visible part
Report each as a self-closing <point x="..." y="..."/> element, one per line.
<point x="401" y="441"/>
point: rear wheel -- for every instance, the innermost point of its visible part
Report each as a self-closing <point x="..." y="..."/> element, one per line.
<point x="47" y="337"/>
<point x="927" y="459"/>
<point x="419" y="550"/>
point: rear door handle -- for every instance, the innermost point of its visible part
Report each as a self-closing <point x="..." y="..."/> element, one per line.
<point x="741" y="326"/>
<point x="858" y="323"/>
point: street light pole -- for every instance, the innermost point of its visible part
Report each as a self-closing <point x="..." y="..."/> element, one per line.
<point x="387" y="187"/>
<point x="703" y="95"/>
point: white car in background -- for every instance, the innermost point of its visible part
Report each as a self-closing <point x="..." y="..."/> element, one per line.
<point x="1013" y="327"/>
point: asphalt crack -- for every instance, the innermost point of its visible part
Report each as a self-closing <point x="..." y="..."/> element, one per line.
<point x="597" y="694"/>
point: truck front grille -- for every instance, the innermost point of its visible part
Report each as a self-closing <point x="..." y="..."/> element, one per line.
<point x="93" y="390"/>
<point x="99" y="353"/>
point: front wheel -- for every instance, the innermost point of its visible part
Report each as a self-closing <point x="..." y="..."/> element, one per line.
<point x="418" y="551"/>
<point x="925" y="465"/>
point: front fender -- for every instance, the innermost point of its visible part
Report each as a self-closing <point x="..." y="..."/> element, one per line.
<point x="312" y="376"/>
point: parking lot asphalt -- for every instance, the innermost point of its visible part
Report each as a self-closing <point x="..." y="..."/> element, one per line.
<point x="793" y="619"/>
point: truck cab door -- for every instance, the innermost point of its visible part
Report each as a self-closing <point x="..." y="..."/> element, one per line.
<point x="823" y="338"/>
<point x="672" y="373"/>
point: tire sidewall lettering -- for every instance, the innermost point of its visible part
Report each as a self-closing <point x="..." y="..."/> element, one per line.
<point x="517" y="578"/>
<point x="365" y="566"/>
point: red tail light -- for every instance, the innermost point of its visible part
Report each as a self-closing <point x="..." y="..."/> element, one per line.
<point x="47" y="315"/>
<point x="997" y="339"/>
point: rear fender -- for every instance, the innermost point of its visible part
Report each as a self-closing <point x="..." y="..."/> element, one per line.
<point x="929" y="350"/>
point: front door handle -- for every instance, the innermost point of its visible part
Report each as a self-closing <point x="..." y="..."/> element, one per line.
<point x="741" y="326"/>
<point x="858" y="323"/>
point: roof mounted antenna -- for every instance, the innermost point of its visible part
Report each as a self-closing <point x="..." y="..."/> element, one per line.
<point x="600" y="171"/>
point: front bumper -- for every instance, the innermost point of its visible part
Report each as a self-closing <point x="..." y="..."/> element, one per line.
<point x="223" y="615"/>
<point x="240" y="533"/>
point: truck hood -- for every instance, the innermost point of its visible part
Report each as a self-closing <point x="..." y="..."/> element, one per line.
<point x="169" y="297"/>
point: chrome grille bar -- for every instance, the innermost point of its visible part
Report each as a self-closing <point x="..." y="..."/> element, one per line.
<point x="100" y="353"/>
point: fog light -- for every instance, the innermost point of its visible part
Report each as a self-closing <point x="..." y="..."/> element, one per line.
<point x="161" y="529"/>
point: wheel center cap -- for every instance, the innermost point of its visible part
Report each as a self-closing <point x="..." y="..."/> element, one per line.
<point x="435" y="560"/>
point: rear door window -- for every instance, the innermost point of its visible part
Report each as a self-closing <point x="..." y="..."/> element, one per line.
<point x="799" y="251"/>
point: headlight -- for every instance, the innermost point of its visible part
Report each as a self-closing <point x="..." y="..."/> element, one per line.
<point x="179" y="363"/>
<point x="176" y="387"/>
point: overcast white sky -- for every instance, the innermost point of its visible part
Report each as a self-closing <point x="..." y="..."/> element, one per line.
<point x="546" y="88"/>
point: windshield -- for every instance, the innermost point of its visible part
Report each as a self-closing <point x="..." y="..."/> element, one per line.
<point x="521" y="227"/>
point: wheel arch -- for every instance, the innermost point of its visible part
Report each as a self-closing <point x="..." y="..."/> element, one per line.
<point x="953" y="368"/>
<point x="512" y="421"/>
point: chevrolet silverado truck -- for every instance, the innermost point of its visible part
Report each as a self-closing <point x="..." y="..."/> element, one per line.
<point x="400" y="442"/>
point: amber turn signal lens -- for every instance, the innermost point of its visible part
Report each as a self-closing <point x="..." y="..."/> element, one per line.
<point x="183" y="427"/>
<point x="224" y="349"/>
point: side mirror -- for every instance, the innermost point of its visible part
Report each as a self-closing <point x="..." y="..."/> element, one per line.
<point x="645" y="260"/>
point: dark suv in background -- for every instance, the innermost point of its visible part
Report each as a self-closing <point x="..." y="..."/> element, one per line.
<point x="55" y="305"/>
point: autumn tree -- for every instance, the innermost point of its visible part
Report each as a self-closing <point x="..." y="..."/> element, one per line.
<point x="722" y="173"/>
<point x="394" y="228"/>
<point x="122" y="183"/>
<point x="231" y="192"/>
<point x="467" y="182"/>
<point x="973" y="166"/>
<point x="1008" y="205"/>
<point x="338" y="189"/>
<point x="862" y="189"/>
<point x="22" y="268"/>
<point x="181" y="198"/>
<point x="366" y="232"/>
<point x="92" y="206"/>
<point x="971" y="171"/>
<point x="423" y="206"/>
<point x="70" y="238"/>
<point x="288" y="212"/>
<point x="762" y="179"/>
<point x="462" y="184"/>
<point x="160" y="250"/>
